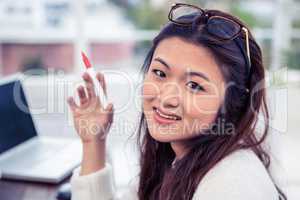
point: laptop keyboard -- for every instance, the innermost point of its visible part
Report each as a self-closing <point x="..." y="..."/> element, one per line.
<point x="40" y="153"/>
<point x="33" y="155"/>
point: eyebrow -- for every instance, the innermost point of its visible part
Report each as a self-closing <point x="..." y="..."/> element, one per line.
<point x="191" y="73"/>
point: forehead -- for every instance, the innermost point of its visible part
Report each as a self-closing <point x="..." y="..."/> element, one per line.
<point x="183" y="56"/>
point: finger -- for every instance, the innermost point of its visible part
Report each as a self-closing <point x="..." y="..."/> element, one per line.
<point x="110" y="110"/>
<point x="82" y="95"/>
<point x="101" y="79"/>
<point x="109" y="117"/>
<point x="72" y="104"/>
<point x="89" y="85"/>
<point x="109" y="107"/>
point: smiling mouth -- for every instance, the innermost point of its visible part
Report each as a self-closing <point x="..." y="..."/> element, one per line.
<point x="163" y="118"/>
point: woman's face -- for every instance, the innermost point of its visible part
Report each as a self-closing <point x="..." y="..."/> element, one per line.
<point x="182" y="92"/>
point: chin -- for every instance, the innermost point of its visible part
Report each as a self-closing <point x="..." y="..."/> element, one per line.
<point x="161" y="136"/>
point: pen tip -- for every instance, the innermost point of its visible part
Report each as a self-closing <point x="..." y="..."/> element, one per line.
<point x="85" y="60"/>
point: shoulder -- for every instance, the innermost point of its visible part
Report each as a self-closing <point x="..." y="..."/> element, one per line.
<point x="240" y="175"/>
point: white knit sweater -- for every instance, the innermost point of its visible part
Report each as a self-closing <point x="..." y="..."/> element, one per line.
<point x="239" y="176"/>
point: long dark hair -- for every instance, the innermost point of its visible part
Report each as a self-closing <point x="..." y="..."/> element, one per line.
<point x="158" y="180"/>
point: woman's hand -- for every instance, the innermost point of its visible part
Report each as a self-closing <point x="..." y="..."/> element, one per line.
<point x="92" y="121"/>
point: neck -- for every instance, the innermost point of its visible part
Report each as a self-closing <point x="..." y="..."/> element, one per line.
<point x="179" y="149"/>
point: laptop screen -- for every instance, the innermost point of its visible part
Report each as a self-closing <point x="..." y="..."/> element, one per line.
<point x="16" y="125"/>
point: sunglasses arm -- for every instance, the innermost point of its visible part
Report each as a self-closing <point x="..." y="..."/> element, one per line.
<point x="247" y="44"/>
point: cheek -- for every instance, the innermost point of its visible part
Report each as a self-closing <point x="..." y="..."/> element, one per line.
<point x="208" y="103"/>
<point x="201" y="111"/>
<point x="150" y="89"/>
<point x="202" y="104"/>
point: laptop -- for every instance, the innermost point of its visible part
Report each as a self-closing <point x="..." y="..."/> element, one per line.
<point x="24" y="154"/>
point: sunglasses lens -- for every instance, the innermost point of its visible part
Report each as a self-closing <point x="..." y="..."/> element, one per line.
<point x="185" y="14"/>
<point x="222" y="27"/>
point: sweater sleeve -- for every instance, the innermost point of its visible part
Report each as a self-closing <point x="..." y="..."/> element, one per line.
<point x="98" y="186"/>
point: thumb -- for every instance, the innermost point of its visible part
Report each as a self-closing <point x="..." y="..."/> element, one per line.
<point x="110" y="112"/>
<point x="109" y="108"/>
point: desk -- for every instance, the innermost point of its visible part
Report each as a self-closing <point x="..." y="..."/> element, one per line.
<point x="19" y="190"/>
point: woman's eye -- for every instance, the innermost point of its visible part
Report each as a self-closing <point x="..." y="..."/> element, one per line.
<point x="159" y="73"/>
<point x="195" y="86"/>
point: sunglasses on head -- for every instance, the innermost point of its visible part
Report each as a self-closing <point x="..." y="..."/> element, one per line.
<point x="219" y="27"/>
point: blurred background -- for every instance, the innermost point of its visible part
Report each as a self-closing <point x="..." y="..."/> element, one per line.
<point x="44" y="38"/>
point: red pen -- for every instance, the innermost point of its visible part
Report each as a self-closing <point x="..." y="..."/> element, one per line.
<point x="98" y="89"/>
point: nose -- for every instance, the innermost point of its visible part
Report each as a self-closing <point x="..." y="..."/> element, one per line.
<point x="170" y="95"/>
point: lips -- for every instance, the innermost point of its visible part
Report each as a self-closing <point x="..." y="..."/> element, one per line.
<point x="165" y="118"/>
